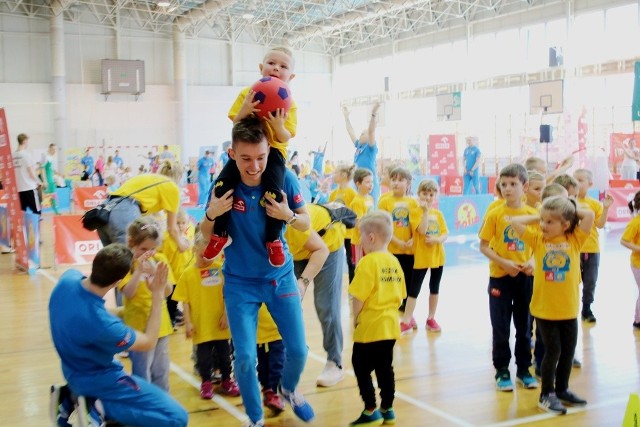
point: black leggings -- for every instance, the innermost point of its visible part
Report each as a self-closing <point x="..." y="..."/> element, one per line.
<point x="213" y="354"/>
<point x="560" y="338"/>
<point x="417" y="277"/>
<point x="272" y="182"/>
<point x="375" y="356"/>
<point x="406" y="262"/>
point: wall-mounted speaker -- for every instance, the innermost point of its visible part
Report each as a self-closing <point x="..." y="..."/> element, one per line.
<point x="545" y="133"/>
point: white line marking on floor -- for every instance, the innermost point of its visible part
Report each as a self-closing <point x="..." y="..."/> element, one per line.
<point x="221" y="401"/>
<point x="547" y="416"/>
<point x="47" y="275"/>
<point x="407" y="398"/>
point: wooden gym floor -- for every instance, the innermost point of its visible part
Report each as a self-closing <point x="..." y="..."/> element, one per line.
<point x="442" y="379"/>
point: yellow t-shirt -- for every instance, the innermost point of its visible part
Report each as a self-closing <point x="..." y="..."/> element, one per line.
<point x="178" y="261"/>
<point x="164" y="196"/>
<point x="320" y="218"/>
<point x="267" y="329"/>
<point x="503" y="239"/>
<point x="137" y="308"/>
<point x="379" y="284"/>
<point x="201" y="288"/>
<point x="631" y="234"/>
<point x="556" y="280"/>
<point x="430" y="256"/>
<point x="360" y="205"/>
<point x="406" y="215"/>
<point x="290" y="123"/>
<point x="592" y="245"/>
<point x="344" y="196"/>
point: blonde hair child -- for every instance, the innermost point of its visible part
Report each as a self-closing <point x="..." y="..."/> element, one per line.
<point x="631" y="240"/>
<point x="431" y="234"/>
<point x="178" y="261"/>
<point x="143" y="238"/>
<point x="564" y="228"/>
<point x="377" y="289"/>
<point x="406" y="216"/>
<point x="533" y="194"/>
<point x="345" y="194"/>
<point x="205" y="319"/>
<point x="361" y="204"/>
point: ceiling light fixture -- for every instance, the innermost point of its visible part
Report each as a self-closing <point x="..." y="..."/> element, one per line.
<point x="164" y="3"/>
<point x="248" y="16"/>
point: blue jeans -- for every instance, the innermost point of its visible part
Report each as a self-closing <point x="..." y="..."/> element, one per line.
<point x="327" y="293"/>
<point x="472" y="180"/>
<point x="153" y="365"/>
<point x="242" y="300"/>
<point x="130" y="400"/>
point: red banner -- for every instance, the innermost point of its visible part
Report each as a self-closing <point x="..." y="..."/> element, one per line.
<point x="16" y="218"/>
<point x="624" y="183"/>
<point x="73" y="244"/>
<point x="89" y="197"/>
<point x="619" y="210"/>
<point x="189" y="195"/>
<point x="442" y="155"/>
<point x="451" y="185"/>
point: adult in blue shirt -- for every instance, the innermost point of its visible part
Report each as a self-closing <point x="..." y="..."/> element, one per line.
<point x="471" y="159"/>
<point x="87" y="161"/>
<point x="204" y="177"/>
<point x="318" y="159"/>
<point x="366" y="148"/>
<point x="117" y="159"/>
<point x="87" y="352"/>
<point x="249" y="278"/>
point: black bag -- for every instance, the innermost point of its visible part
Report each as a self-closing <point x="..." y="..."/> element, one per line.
<point x="339" y="213"/>
<point x="98" y="216"/>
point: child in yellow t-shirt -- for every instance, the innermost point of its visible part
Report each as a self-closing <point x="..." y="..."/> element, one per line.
<point x="590" y="252"/>
<point x="280" y="128"/>
<point x="270" y="360"/>
<point x="377" y="290"/>
<point x="556" y="244"/>
<point x="406" y="216"/>
<point x="533" y="195"/>
<point x="510" y="282"/>
<point x="205" y="320"/>
<point x="361" y="204"/>
<point x="178" y="261"/>
<point x="631" y="240"/>
<point x="344" y="194"/>
<point x="429" y="254"/>
<point x="143" y="238"/>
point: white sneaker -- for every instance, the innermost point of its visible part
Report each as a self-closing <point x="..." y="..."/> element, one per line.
<point x="331" y="375"/>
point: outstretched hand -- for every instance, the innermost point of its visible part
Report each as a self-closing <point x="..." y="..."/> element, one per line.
<point x="159" y="281"/>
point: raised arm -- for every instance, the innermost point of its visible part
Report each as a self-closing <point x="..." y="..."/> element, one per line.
<point x="519" y="223"/>
<point x="372" y="124"/>
<point x="347" y="122"/>
<point x="586" y="217"/>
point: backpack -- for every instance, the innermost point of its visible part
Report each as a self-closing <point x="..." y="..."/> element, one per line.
<point x="339" y="213"/>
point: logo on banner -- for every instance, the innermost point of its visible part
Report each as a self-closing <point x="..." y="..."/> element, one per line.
<point x="100" y="196"/>
<point x="87" y="247"/>
<point x="466" y="215"/>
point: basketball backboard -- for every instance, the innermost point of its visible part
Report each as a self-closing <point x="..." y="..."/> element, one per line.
<point x="449" y="106"/>
<point x="546" y="97"/>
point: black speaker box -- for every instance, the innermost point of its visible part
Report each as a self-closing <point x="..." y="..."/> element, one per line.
<point x="545" y="133"/>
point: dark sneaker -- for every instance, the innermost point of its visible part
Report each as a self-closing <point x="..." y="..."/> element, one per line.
<point x="503" y="380"/>
<point x="636" y="325"/>
<point x="576" y="363"/>
<point x="551" y="403"/>
<point x="215" y="246"/>
<point x="275" y="250"/>
<point x="526" y="380"/>
<point x="388" y="415"/>
<point x="587" y="316"/>
<point x="272" y="401"/>
<point x="373" y="419"/>
<point x="60" y="405"/>
<point x="301" y="407"/>
<point x="569" y="398"/>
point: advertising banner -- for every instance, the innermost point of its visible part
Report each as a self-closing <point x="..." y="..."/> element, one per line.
<point x="32" y="227"/>
<point x="13" y="202"/>
<point x="189" y="195"/>
<point x="5" y="229"/>
<point x="89" y="197"/>
<point x="619" y="210"/>
<point x="464" y="213"/>
<point x="73" y="244"/>
<point x="442" y="155"/>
